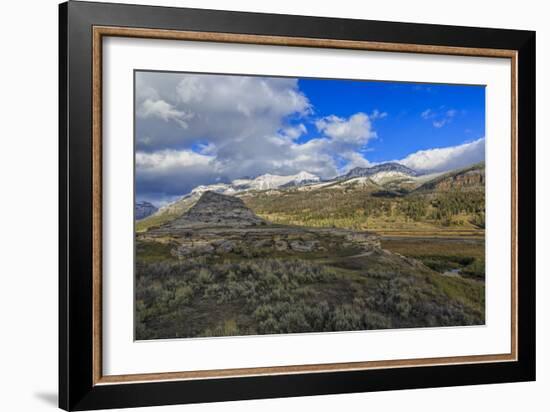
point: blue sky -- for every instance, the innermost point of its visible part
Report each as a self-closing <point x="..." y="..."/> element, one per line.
<point x="404" y="130"/>
<point x="194" y="129"/>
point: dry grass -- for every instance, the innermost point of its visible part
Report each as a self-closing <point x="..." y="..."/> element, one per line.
<point x="419" y="247"/>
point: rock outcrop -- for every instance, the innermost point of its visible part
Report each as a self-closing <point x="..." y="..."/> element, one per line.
<point x="469" y="179"/>
<point x="464" y="181"/>
<point x="215" y="209"/>
<point x="219" y="224"/>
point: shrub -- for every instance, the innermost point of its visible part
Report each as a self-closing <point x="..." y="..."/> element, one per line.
<point x="475" y="269"/>
<point x="198" y="297"/>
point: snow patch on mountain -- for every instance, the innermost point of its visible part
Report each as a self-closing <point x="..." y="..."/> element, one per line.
<point x="383" y="167"/>
<point x="389" y="176"/>
<point x="269" y="181"/>
<point x="223" y="188"/>
<point x="263" y="182"/>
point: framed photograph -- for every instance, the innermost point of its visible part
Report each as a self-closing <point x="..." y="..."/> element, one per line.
<point x="257" y="206"/>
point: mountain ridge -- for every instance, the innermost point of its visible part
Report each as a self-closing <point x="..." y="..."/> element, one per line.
<point x="381" y="180"/>
<point x="382" y="167"/>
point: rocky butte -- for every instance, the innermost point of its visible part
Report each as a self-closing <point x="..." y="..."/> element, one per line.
<point x="220" y="224"/>
<point x="215" y="209"/>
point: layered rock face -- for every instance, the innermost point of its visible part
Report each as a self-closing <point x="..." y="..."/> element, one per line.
<point x="265" y="241"/>
<point x="219" y="224"/>
<point x="217" y="210"/>
<point x="472" y="179"/>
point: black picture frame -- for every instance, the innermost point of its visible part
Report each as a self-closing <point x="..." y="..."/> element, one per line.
<point x="77" y="390"/>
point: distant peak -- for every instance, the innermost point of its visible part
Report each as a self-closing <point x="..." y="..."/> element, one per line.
<point x="300" y="174"/>
<point x="144" y="203"/>
<point x="307" y="175"/>
<point x="382" y="167"/>
<point x="273" y="181"/>
<point x="144" y="209"/>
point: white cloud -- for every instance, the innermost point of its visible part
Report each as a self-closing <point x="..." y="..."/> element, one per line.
<point x="354" y="159"/>
<point x="166" y="173"/>
<point x="355" y="130"/>
<point x="246" y="95"/>
<point x="162" y="110"/>
<point x="170" y="159"/>
<point x="248" y="125"/>
<point x="294" y="132"/>
<point x="441" y="159"/>
<point x="224" y="110"/>
<point x="198" y="129"/>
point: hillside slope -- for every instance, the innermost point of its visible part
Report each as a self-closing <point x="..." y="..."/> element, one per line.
<point x="452" y="203"/>
<point x="385" y="199"/>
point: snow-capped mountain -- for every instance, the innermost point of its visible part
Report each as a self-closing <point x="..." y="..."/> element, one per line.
<point x="384" y="167"/>
<point x="263" y="182"/>
<point x="377" y="174"/>
<point x="269" y="181"/>
<point x="224" y="188"/>
<point x="392" y="178"/>
<point x="388" y="176"/>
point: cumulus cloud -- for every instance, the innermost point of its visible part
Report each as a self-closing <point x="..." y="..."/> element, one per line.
<point x="196" y="129"/>
<point x="442" y="159"/>
<point x="170" y="159"/>
<point x="294" y="132"/>
<point x="162" y="110"/>
<point x="355" y="130"/>
<point x="168" y="172"/>
<point x="215" y="108"/>
<point x="354" y="159"/>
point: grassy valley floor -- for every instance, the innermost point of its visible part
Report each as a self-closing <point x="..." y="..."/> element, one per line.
<point x="342" y="288"/>
<point x="464" y="256"/>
